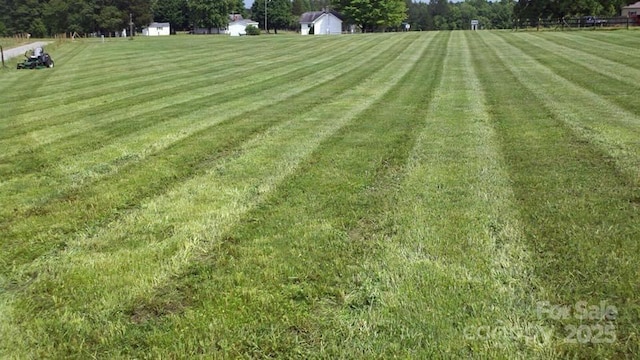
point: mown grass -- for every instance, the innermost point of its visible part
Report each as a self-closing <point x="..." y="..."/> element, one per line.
<point x="582" y="230"/>
<point x="390" y="195"/>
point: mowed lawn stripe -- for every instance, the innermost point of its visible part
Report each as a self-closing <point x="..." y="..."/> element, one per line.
<point x="620" y="39"/>
<point x="47" y="227"/>
<point x="99" y="124"/>
<point x="613" y="84"/>
<point x="593" y="116"/>
<point x="596" y="47"/>
<point x="576" y="206"/>
<point x="458" y="261"/>
<point x="184" y="102"/>
<point x="24" y="85"/>
<point x="71" y="172"/>
<point x="111" y="98"/>
<point x="201" y="55"/>
<point x="612" y="72"/>
<point x="197" y="57"/>
<point x="17" y="85"/>
<point x="173" y="50"/>
<point x="213" y="201"/>
<point x="297" y="275"/>
<point x="140" y="76"/>
<point x="82" y="70"/>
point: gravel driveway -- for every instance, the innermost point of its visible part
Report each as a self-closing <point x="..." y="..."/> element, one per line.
<point x="20" y="50"/>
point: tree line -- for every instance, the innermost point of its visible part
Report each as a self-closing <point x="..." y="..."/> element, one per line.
<point x="444" y="15"/>
<point x="557" y="9"/>
<point x="42" y="18"/>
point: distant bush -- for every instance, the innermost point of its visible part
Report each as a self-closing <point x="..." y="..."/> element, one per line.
<point x="252" y="30"/>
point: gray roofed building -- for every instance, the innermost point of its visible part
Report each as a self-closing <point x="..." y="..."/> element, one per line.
<point x="321" y="23"/>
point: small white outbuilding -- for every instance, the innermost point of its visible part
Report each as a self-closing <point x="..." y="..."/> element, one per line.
<point x="238" y="26"/>
<point x="321" y="23"/>
<point x="157" y="29"/>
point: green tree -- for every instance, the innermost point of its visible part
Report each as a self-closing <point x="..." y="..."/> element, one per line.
<point x="111" y="19"/>
<point x="56" y="16"/>
<point x="373" y="15"/>
<point x="318" y="5"/>
<point x="45" y="17"/>
<point x="418" y="16"/>
<point x="298" y="7"/>
<point x="257" y="11"/>
<point x="25" y="16"/>
<point x="140" y="11"/>
<point x="82" y="17"/>
<point x="278" y="15"/>
<point x="174" y="12"/>
<point x="5" y="17"/>
<point x="37" y="28"/>
<point x="210" y="13"/>
<point x="440" y="7"/>
<point x="441" y="12"/>
<point x="502" y="14"/>
<point x="555" y="9"/>
<point x="252" y="30"/>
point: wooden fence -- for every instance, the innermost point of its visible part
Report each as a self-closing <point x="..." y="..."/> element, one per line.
<point x="586" y="22"/>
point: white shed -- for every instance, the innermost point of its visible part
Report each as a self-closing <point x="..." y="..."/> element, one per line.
<point x="321" y="23"/>
<point x="157" y="29"/>
<point x="239" y="27"/>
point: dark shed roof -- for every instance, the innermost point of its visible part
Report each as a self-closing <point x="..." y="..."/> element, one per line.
<point x="312" y="16"/>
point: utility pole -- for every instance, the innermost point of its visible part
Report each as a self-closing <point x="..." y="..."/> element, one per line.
<point x="265" y="16"/>
<point x="130" y="24"/>
<point x="2" y="56"/>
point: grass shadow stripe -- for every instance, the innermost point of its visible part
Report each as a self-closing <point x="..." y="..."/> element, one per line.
<point x="619" y="39"/>
<point x="604" y="49"/>
<point x="325" y="165"/>
<point x="456" y="221"/>
<point x="143" y="72"/>
<point x="567" y="190"/>
<point x="363" y="94"/>
<point x="121" y="115"/>
<point x="94" y="97"/>
<point x="94" y="204"/>
<point x="583" y="111"/>
<point x="91" y="166"/>
<point x="28" y="83"/>
<point x="595" y="62"/>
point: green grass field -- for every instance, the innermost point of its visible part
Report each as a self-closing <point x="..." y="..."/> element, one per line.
<point x="414" y="195"/>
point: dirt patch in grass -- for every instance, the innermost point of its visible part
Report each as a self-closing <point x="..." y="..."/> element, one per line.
<point x="168" y="301"/>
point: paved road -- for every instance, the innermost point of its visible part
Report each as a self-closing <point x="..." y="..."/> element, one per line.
<point x="20" y="50"/>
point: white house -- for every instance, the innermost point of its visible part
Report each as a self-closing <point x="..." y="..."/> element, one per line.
<point x="320" y="23"/>
<point x="237" y="26"/>
<point x="157" y="29"/>
<point x="631" y="10"/>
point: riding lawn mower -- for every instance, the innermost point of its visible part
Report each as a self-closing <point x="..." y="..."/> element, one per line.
<point x="37" y="60"/>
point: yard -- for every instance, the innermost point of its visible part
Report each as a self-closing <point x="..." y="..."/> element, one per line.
<point x="418" y="195"/>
